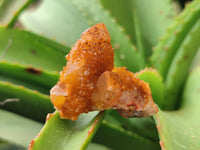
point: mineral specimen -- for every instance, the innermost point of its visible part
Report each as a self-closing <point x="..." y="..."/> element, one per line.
<point x="89" y="82"/>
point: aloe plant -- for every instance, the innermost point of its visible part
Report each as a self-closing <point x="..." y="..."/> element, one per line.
<point x="160" y="36"/>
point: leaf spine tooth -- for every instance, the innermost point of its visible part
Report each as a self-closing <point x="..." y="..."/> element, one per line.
<point x="121" y="28"/>
<point x="134" y="47"/>
<point x="21" y="86"/>
<point x="128" y="37"/>
<point x="122" y="56"/>
<point x="36" y="92"/>
<point x="7" y="83"/>
<point x="176" y="32"/>
<point x="15" y="63"/>
<point x="161" y="38"/>
<point x="116" y="46"/>
<point x="63" y="43"/>
<point x="154" y="48"/>
<point x="166" y="48"/>
<point x="53" y="38"/>
<point x="108" y="11"/>
<point x="114" y="20"/>
<point x="15" y="13"/>
<point x="55" y="72"/>
<point x="42" y="33"/>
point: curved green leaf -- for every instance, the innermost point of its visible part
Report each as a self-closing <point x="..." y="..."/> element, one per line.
<point x="28" y="49"/>
<point x="143" y="127"/>
<point x="118" y="138"/>
<point x="180" y="129"/>
<point x="138" y="32"/>
<point x="94" y="146"/>
<point x="180" y="66"/>
<point x="155" y="81"/>
<point x="168" y="46"/>
<point x="25" y="102"/>
<point x="63" y="134"/>
<point x="17" y="129"/>
<point x="28" y="77"/>
<point x="119" y="9"/>
<point x="65" y="23"/>
<point x="196" y="60"/>
<point x="10" y="9"/>
<point x="153" y="18"/>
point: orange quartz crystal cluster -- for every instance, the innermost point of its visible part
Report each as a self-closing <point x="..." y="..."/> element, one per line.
<point x="89" y="82"/>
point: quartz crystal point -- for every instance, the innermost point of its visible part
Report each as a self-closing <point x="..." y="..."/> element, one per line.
<point x="88" y="59"/>
<point x="120" y="89"/>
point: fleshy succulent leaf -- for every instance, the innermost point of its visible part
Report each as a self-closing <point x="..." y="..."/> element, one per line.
<point x="168" y="46"/>
<point x="17" y="129"/>
<point x="9" y="10"/>
<point x="24" y="101"/>
<point x="29" y="49"/>
<point x="155" y="81"/>
<point x="63" y="134"/>
<point x="153" y="17"/>
<point x="95" y="146"/>
<point x="126" y="9"/>
<point x="180" y="129"/>
<point x="28" y="77"/>
<point x="68" y="22"/>
<point x="113" y="136"/>
<point x="180" y="66"/>
<point x="144" y="127"/>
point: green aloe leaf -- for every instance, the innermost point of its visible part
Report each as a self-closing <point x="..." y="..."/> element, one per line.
<point x="24" y="101"/>
<point x="28" y="49"/>
<point x="10" y="9"/>
<point x="171" y="42"/>
<point x="129" y="23"/>
<point x="94" y="146"/>
<point x="17" y="129"/>
<point x="126" y="9"/>
<point x="153" y="17"/>
<point x="196" y="60"/>
<point x="143" y="127"/>
<point x="67" y="24"/>
<point x="156" y="84"/>
<point x="28" y="77"/>
<point x="180" y="66"/>
<point x="151" y="28"/>
<point x="63" y="134"/>
<point x="180" y="129"/>
<point x="119" y="138"/>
